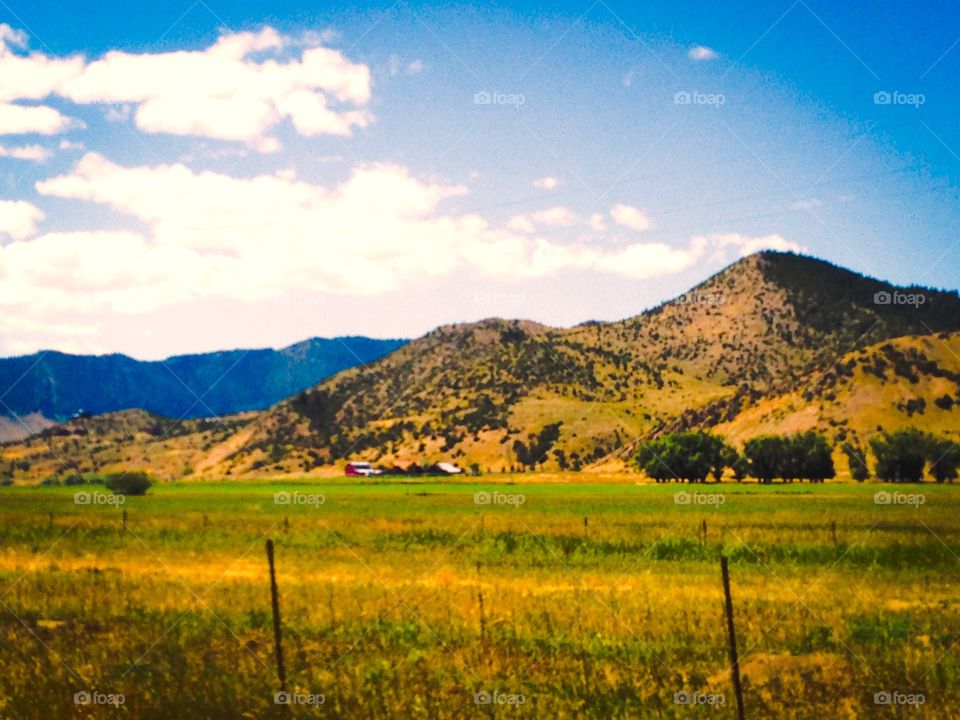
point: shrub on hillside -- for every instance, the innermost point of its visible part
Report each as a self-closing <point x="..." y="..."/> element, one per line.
<point x="132" y="483"/>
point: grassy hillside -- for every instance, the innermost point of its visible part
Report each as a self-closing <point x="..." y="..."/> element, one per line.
<point x="911" y="381"/>
<point x="753" y="349"/>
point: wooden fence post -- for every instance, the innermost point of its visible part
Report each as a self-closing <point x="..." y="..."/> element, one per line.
<point x="275" y="602"/>
<point x="732" y="637"/>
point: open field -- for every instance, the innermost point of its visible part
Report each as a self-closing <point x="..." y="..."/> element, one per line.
<point x="407" y="599"/>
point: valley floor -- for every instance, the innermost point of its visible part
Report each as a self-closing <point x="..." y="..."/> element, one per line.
<point x="434" y="600"/>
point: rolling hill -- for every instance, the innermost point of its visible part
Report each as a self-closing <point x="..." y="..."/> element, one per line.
<point x="769" y="343"/>
<point x="47" y="387"/>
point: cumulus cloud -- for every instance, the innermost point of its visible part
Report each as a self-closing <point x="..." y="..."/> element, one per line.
<point x="18" y="218"/>
<point x="631" y="217"/>
<point x="255" y="238"/>
<point x="702" y="52"/>
<point x="39" y="119"/>
<point x="208" y="236"/>
<point x="747" y="245"/>
<point x="34" y="153"/>
<point x="556" y="216"/>
<point x="237" y="89"/>
<point x="546" y="183"/>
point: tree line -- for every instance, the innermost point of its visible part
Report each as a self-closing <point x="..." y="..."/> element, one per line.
<point x="902" y="456"/>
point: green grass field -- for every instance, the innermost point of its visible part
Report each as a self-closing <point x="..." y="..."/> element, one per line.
<point x="417" y="600"/>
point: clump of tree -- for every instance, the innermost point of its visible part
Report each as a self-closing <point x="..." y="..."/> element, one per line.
<point x="690" y="456"/>
<point x="789" y="457"/>
<point x="132" y="483"/>
<point x="857" y="459"/>
<point x="902" y="456"/>
<point x="534" y="451"/>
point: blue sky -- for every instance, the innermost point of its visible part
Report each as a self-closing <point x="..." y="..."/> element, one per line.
<point x="443" y="163"/>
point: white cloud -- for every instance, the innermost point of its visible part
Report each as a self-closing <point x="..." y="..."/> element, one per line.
<point x="747" y="245"/>
<point x="811" y="204"/>
<point x="11" y="37"/>
<point x="521" y="223"/>
<point x="556" y="216"/>
<point x="546" y="183"/>
<point x="238" y="89"/>
<point x="380" y="229"/>
<point x="628" y="78"/>
<point x="631" y="217"/>
<point x="33" y="76"/>
<point x="646" y="260"/>
<point x="39" y="119"/>
<point x="702" y="52"/>
<point x="35" y="153"/>
<point x="597" y="223"/>
<point x="18" y="219"/>
<point x="69" y="145"/>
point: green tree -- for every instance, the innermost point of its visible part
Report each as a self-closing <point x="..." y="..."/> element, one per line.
<point x="902" y="455"/>
<point x="944" y="456"/>
<point x="764" y="455"/>
<point x="132" y="483"/>
<point x="857" y="458"/>
<point x="692" y="457"/>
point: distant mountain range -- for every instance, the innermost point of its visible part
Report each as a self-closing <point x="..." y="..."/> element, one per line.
<point x="47" y="387"/>
<point x="775" y="342"/>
